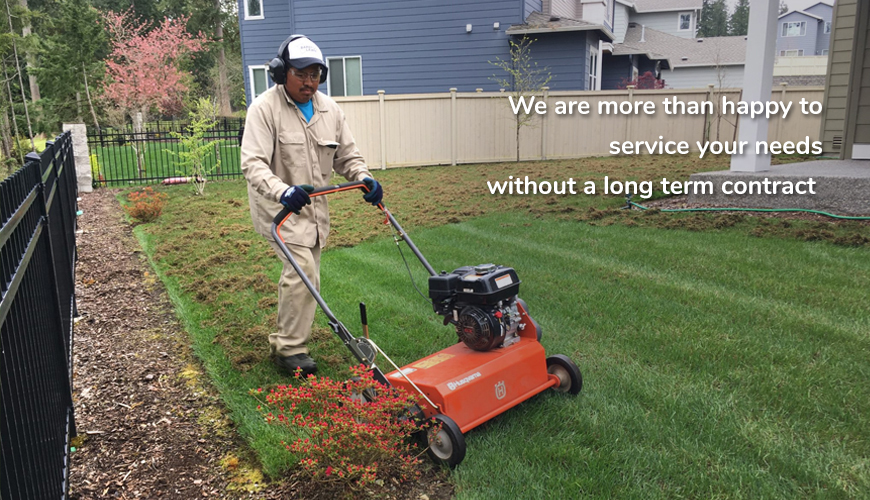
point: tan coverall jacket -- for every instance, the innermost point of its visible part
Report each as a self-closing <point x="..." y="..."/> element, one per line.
<point x="279" y="149"/>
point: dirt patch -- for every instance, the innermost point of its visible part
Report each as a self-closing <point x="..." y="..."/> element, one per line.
<point x="149" y="423"/>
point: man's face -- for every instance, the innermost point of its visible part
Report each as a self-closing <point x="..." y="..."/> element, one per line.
<point x="301" y="84"/>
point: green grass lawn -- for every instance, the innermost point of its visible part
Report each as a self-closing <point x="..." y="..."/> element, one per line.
<point x="723" y="355"/>
<point x="115" y="161"/>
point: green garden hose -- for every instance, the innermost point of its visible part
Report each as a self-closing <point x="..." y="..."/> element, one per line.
<point x="846" y="217"/>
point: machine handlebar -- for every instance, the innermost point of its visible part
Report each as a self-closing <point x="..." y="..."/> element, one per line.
<point x="347" y="186"/>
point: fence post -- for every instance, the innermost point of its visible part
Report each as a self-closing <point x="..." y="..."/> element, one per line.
<point x="382" y="116"/>
<point x="453" y="126"/>
<point x="628" y="117"/>
<point x="544" y="127"/>
<point x="779" y="124"/>
<point x="705" y="136"/>
<point x="81" y="153"/>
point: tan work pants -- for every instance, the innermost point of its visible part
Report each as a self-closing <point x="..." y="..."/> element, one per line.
<point x="296" y="305"/>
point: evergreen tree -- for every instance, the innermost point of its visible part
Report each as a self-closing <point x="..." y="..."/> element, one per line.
<point x="738" y="24"/>
<point x="71" y="71"/>
<point x="714" y="19"/>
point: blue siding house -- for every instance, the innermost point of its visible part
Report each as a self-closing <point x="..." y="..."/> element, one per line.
<point x="417" y="46"/>
<point x="805" y="32"/>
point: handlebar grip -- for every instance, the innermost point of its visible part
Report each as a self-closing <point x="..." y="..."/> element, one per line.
<point x="283" y="214"/>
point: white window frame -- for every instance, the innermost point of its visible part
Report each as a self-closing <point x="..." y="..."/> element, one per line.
<point x="680" y="21"/>
<point x="593" y="76"/>
<point x="331" y="60"/>
<point x="786" y="26"/>
<point x="797" y="52"/>
<point x="251" y="70"/>
<point x="827" y="27"/>
<point x="254" y="18"/>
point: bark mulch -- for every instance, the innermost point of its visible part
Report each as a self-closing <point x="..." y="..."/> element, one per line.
<point x="149" y="424"/>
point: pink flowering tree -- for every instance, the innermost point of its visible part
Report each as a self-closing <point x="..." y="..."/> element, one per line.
<point x="143" y="67"/>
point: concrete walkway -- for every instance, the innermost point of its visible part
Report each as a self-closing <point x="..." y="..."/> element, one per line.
<point x="837" y="186"/>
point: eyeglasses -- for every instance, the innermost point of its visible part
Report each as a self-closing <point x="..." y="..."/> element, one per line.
<point x="313" y="76"/>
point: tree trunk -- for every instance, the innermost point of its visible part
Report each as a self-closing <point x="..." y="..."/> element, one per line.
<point x="20" y="81"/>
<point x="88" y="93"/>
<point x="138" y="122"/>
<point x="519" y="126"/>
<point x="14" y="119"/>
<point x="31" y="60"/>
<point x="223" y="90"/>
<point x="6" y="132"/>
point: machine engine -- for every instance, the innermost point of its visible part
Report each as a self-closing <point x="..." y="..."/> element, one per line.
<point x="481" y="301"/>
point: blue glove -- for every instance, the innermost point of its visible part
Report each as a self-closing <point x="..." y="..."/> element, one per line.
<point x="296" y="197"/>
<point x="376" y="192"/>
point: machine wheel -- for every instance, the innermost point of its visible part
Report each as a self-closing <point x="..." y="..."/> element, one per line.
<point x="447" y="444"/>
<point x="570" y="379"/>
<point x="538" y="329"/>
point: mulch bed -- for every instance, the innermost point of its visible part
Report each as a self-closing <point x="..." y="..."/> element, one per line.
<point x="149" y="424"/>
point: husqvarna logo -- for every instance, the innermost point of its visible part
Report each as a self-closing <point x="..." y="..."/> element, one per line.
<point x="500" y="390"/>
<point x="460" y="382"/>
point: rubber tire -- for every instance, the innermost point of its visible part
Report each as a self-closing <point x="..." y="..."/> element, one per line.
<point x="538" y="329"/>
<point x="452" y="450"/>
<point x="562" y="366"/>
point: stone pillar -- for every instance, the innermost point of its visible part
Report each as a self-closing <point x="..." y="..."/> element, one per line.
<point x="757" y="82"/>
<point x="82" y="156"/>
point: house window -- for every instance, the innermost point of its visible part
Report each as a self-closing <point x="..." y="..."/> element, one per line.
<point x="790" y="53"/>
<point x="827" y="27"/>
<point x="259" y="80"/>
<point x="794" y="29"/>
<point x="824" y="52"/>
<point x="685" y="21"/>
<point x="345" y="75"/>
<point x="253" y="9"/>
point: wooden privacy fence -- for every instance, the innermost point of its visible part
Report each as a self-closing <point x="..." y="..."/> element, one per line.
<point x="451" y="128"/>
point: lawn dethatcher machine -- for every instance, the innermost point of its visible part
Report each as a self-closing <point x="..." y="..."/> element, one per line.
<point x="497" y="363"/>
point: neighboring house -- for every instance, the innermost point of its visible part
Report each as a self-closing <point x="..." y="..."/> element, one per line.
<point x="417" y="46"/>
<point x="659" y="36"/>
<point x="845" y="128"/>
<point x="420" y="46"/>
<point x="674" y="17"/>
<point x="570" y="48"/>
<point x="680" y="62"/>
<point x="805" y="32"/>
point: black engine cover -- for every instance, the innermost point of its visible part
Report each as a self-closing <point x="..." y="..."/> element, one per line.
<point x="485" y="284"/>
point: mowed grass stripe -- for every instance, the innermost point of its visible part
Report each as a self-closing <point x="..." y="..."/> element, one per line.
<point x="679" y="385"/>
<point x="700" y="285"/>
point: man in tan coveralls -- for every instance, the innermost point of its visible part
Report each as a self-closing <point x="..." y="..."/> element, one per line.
<point x="295" y="137"/>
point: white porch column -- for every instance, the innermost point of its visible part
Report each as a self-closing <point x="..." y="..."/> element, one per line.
<point x="757" y="82"/>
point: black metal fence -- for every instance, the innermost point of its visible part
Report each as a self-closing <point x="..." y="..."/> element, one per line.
<point x="121" y="157"/>
<point x="37" y="285"/>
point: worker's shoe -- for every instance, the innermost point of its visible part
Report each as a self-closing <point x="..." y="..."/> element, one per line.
<point x="296" y="362"/>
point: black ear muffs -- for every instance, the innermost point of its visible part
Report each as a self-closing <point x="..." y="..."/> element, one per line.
<point x="278" y="66"/>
